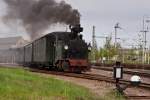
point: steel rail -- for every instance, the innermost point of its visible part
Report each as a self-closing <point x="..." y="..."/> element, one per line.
<point x="90" y="77"/>
<point x="132" y="97"/>
<point x="125" y="71"/>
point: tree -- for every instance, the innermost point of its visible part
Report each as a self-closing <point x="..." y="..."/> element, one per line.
<point x="109" y="50"/>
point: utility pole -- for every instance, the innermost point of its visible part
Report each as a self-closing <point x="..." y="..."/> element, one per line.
<point x="144" y="31"/>
<point x="145" y="42"/>
<point x="94" y="46"/>
<point x="93" y="37"/>
<point x="107" y="39"/>
<point x="123" y="54"/>
<point x="140" y="48"/>
<point x="116" y="27"/>
<point x="148" y="55"/>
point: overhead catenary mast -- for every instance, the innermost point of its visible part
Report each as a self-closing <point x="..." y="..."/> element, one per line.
<point x="145" y="45"/>
<point x="116" y="27"/>
<point x="144" y="31"/>
<point x="94" y="45"/>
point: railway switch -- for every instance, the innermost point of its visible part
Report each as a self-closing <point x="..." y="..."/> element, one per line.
<point x="118" y="74"/>
<point x="135" y="80"/>
<point x="118" y="71"/>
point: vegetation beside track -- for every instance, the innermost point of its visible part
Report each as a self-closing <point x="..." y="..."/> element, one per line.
<point x="125" y="65"/>
<point x="19" y="84"/>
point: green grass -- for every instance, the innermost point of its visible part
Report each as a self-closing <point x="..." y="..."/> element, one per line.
<point x="113" y="95"/>
<point x="19" y="84"/>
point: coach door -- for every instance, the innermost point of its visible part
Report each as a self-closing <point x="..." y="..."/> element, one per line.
<point x="58" y="53"/>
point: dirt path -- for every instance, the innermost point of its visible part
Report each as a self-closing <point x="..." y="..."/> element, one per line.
<point x="100" y="88"/>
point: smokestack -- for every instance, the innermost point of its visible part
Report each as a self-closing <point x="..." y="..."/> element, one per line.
<point x="37" y="15"/>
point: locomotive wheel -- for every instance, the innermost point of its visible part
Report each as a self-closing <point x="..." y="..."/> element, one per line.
<point x="78" y="71"/>
<point x="65" y="66"/>
<point x="59" y="66"/>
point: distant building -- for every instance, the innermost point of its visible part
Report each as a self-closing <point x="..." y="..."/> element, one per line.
<point x="11" y="42"/>
<point x="6" y="45"/>
<point x="132" y="54"/>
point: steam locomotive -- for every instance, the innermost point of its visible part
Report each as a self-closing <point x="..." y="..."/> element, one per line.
<point x="65" y="51"/>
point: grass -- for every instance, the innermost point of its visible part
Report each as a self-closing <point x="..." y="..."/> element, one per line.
<point x="113" y="95"/>
<point x="19" y="84"/>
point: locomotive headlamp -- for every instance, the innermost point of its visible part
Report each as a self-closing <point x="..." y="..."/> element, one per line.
<point x="89" y="48"/>
<point x="66" y="47"/>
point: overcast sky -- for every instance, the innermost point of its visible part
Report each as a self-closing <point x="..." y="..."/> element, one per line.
<point x="104" y="14"/>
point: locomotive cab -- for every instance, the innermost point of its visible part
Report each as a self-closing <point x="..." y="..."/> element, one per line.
<point x="72" y="52"/>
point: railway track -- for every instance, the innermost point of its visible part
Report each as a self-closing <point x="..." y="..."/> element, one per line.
<point x="132" y="97"/>
<point x="99" y="78"/>
<point x="9" y="65"/>
<point x="140" y="73"/>
<point x="90" y="77"/>
<point x="95" y="77"/>
<point x="129" y="66"/>
<point x="86" y="76"/>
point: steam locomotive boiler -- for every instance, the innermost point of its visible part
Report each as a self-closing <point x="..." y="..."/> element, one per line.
<point x="65" y="51"/>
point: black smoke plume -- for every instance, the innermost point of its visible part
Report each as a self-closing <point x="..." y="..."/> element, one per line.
<point x="37" y="15"/>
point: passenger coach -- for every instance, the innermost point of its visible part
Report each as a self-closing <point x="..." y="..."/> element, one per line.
<point x="65" y="51"/>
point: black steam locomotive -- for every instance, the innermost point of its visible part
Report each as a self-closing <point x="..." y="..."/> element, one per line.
<point x="65" y="51"/>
